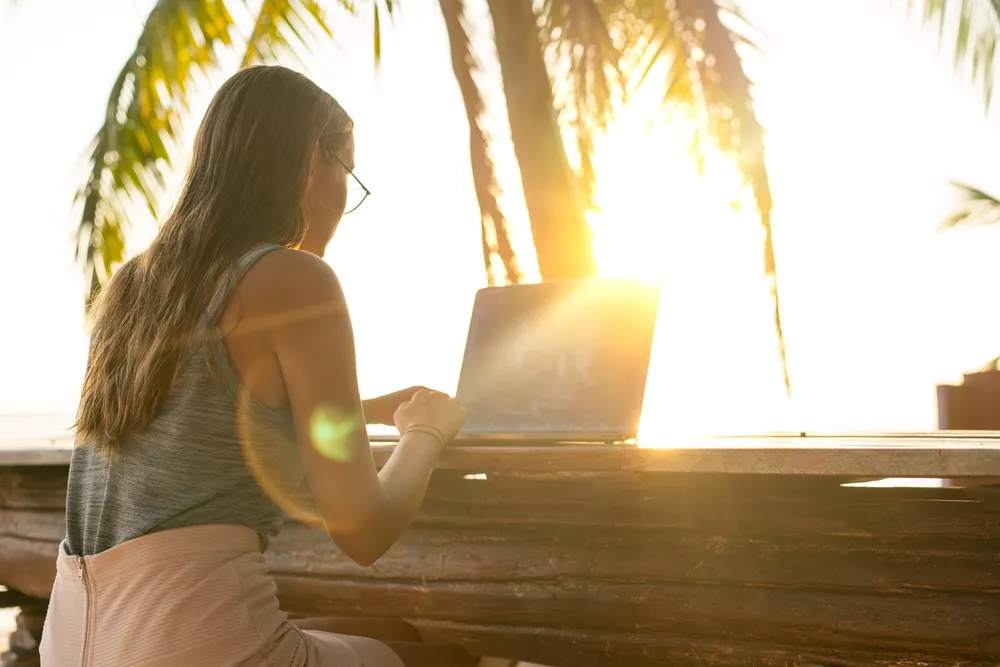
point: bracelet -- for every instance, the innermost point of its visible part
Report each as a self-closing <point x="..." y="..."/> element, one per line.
<point x="429" y="430"/>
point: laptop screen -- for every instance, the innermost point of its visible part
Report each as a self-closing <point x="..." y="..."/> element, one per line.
<point x="561" y="359"/>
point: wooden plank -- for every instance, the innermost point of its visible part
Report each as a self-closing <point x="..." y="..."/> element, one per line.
<point x="36" y="456"/>
<point x="818" y="436"/>
<point x="942" y="624"/>
<point x="898" y="455"/>
<point x="574" y="648"/>
<point x="722" y="505"/>
<point x="42" y="525"/>
<point x="28" y="566"/>
<point x="916" y="459"/>
<point x="34" y="487"/>
<point x="564" y="458"/>
<point x="719" y="504"/>
<point x="428" y="553"/>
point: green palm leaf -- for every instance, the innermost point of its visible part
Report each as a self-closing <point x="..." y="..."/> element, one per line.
<point x="377" y="32"/>
<point x="978" y="208"/>
<point x="585" y="67"/>
<point x="286" y="28"/>
<point x="493" y="223"/>
<point x="180" y="42"/>
<point x="131" y="151"/>
<point x="974" y="25"/>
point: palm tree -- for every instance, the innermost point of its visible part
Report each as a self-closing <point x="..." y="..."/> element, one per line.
<point x="559" y="227"/>
<point x="493" y="223"/>
<point x="566" y="66"/>
<point x="599" y="50"/>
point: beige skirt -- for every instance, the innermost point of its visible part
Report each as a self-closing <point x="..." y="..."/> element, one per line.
<point x="191" y="596"/>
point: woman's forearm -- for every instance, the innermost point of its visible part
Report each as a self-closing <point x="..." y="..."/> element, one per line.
<point x="406" y="474"/>
<point x="404" y="480"/>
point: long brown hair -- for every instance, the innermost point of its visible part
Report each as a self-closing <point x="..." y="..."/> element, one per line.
<point x="245" y="186"/>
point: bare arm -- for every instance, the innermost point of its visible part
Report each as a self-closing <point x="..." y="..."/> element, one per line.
<point x="364" y="511"/>
<point x="381" y="409"/>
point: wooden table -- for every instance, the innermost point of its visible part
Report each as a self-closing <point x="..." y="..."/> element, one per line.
<point x="724" y="551"/>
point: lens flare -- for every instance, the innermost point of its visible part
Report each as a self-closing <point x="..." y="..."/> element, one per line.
<point x="331" y="434"/>
<point x="271" y="450"/>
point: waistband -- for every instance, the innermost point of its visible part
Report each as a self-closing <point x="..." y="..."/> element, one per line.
<point x="219" y="541"/>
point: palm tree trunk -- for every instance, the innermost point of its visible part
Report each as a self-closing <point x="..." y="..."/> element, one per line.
<point x="559" y="227"/>
<point x="483" y="174"/>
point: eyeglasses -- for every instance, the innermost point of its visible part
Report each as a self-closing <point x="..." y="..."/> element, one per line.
<point x="354" y="193"/>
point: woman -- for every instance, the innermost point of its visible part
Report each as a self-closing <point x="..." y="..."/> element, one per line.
<point x="221" y="392"/>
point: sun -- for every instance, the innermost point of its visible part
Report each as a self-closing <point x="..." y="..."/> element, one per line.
<point x="697" y="234"/>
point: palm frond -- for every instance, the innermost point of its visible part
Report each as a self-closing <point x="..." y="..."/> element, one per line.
<point x="495" y="239"/>
<point x="706" y="78"/>
<point x="390" y="7"/>
<point x="181" y="42"/>
<point x="585" y="62"/>
<point x="975" y="27"/>
<point x="733" y="125"/>
<point x="131" y="151"/>
<point x="287" y="28"/>
<point x="978" y="208"/>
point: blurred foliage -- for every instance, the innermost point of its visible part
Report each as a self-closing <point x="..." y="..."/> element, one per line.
<point x="977" y="208"/>
<point x="181" y="41"/>
<point x="973" y="28"/>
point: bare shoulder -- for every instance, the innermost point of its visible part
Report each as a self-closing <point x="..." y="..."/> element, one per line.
<point x="290" y="280"/>
<point x="288" y="267"/>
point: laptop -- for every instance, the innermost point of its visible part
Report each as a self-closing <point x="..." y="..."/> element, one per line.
<point x="562" y="361"/>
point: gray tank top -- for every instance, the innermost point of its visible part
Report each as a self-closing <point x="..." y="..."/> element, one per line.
<point x="214" y="455"/>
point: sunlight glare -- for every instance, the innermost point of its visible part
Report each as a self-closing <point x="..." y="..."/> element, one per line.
<point x="714" y="367"/>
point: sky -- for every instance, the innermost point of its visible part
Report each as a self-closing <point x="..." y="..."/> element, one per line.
<point x="866" y="124"/>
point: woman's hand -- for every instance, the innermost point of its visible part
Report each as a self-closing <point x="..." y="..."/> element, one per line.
<point x="431" y="409"/>
<point x="380" y="410"/>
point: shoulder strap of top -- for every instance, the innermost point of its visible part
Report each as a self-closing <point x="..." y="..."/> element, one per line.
<point x="214" y="346"/>
<point x="231" y="281"/>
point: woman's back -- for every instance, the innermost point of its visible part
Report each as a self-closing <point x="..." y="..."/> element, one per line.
<point x="181" y="470"/>
<point x="201" y="461"/>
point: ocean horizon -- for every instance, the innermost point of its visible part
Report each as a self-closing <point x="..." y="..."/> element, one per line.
<point x="35" y="429"/>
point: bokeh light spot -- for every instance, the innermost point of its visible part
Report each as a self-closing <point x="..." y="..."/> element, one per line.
<point x="330" y="434"/>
